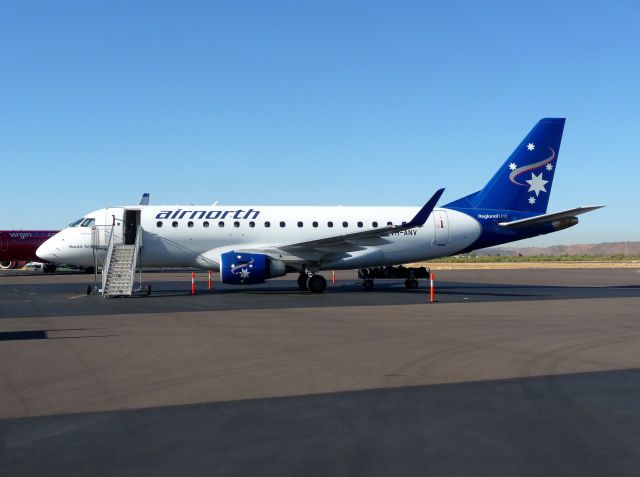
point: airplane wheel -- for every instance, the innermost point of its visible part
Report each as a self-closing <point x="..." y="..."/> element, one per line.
<point x="411" y="283"/>
<point x="302" y="281"/>
<point x="368" y="284"/>
<point x="316" y="284"/>
<point x="49" y="268"/>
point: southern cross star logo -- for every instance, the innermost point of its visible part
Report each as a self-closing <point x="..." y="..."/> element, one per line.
<point x="536" y="184"/>
<point x="531" y="146"/>
<point x="513" y="166"/>
<point x="244" y="273"/>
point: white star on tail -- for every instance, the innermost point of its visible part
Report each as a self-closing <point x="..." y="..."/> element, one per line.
<point x="513" y="166"/>
<point x="549" y="167"/>
<point x="536" y="184"/>
<point x="532" y="200"/>
<point x="531" y="146"/>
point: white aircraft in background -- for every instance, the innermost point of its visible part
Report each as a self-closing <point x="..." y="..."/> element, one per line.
<point x="250" y="244"/>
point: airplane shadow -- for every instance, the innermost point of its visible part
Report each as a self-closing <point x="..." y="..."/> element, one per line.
<point x="44" y="335"/>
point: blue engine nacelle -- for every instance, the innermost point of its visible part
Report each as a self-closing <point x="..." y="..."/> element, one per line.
<point x="249" y="268"/>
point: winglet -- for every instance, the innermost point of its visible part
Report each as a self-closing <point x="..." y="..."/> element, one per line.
<point x="424" y="213"/>
<point x="144" y="200"/>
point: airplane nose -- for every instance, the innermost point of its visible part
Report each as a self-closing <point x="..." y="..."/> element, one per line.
<point x="46" y="252"/>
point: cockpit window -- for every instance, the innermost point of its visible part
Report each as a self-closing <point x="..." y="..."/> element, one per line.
<point x="76" y="223"/>
<point x="88" y="223"/>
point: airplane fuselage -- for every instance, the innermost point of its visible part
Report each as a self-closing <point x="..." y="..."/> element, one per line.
<point x="179" y="236"/>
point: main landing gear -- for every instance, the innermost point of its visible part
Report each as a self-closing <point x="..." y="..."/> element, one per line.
<point x="411" y="283"/>
<point x="302" y="281"/>
<point x="313" y="283"/>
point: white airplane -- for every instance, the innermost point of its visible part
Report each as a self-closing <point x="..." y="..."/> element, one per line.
<point x="250" y="244"/>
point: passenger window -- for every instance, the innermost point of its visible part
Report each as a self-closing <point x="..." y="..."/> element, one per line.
<point x="174" y="224"/>
<point x="300" y="224"/>
<point x="205" y="224"/>
<point x="389" y="223"/>
<point x="282" y="224"/>
<point x="252" y="224"/>
<point x="329" y="224"/>
<point x="236" y="224"/>
<point x="267" y="224"/>
<point x="158" y="224"/>
<point x="375" y="224"/>
<point x="315" y="224"/>
<point x="190" y="224"/>
<point x="345" y="224"/>
<point x="221" y="224"/>
<point x="360" y="224"/>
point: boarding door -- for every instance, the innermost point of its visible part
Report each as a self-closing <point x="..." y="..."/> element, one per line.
<point x="441" y="222"/>
<point x="130" y="225"/>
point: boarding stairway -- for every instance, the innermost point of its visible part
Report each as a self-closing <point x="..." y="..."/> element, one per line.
<point x="120" y="267"/>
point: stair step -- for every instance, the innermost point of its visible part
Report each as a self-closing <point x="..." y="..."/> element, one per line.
<point x="119" y="280"/>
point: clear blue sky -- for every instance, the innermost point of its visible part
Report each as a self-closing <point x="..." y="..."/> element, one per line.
<point x="354" y="103"/>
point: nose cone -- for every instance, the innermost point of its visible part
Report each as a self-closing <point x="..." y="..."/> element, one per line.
<point x="47" y="251"/>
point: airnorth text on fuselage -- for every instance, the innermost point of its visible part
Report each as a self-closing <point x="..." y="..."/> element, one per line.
<point x="208" y="214"/>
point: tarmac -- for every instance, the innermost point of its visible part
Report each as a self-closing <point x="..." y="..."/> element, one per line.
<point x="511" y="372"/>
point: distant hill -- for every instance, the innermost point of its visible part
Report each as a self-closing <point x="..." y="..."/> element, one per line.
<point x="605" y="249"/>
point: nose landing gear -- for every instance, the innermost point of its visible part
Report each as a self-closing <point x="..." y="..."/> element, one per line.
<point x="49" y="268"/>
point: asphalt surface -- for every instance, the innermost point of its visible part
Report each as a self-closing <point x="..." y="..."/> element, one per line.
<point x="510" y="373"/>
<point x="22" y="294"/>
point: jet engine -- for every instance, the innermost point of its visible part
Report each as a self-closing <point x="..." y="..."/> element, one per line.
<point x="249" y="268"/>
<point x="8" y="264"/>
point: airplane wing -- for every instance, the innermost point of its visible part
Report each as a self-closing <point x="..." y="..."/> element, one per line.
<point x="417" y="221"/>
<point x="541" y="219"/>
<point x="317" y="249"/>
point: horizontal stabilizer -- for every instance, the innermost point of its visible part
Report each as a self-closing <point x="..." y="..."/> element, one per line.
<point x="541" y="219"/>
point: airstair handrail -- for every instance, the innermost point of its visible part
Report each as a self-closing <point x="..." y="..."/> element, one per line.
<point x="136" y="249"/>
<point x="107" y="261"/>
<point x="96" y="234"/>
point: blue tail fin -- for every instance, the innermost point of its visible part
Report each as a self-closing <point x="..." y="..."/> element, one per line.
<point x="524" y="181"/>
